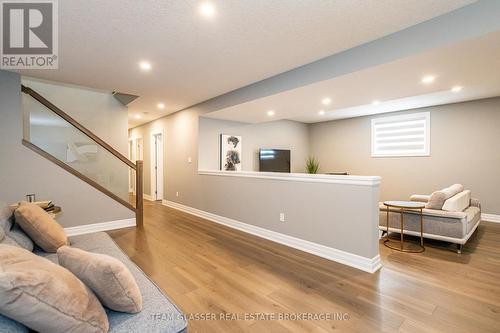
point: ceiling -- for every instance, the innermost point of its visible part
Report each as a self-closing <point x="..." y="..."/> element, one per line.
<point x="473" y="64"/>
<point x="195" y="58"/>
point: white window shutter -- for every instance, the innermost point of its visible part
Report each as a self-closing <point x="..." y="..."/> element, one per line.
<point x="404" y="135"/>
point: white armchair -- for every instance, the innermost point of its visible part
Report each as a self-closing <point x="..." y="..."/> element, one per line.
<point x="454" y="216"/>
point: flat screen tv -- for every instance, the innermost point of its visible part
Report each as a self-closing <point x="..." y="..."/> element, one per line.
<point x="274" y="160"/>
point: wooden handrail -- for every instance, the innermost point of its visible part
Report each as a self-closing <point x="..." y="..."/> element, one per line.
<point x="76" y="124"/>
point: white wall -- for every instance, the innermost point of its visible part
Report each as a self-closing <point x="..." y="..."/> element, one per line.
<point x="283" y="134"/>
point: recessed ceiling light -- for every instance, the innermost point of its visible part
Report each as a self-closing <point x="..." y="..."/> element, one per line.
<point x="326" y="101"/>
<point x="376" y="102"/>
<point x="145" y="66"/>
<point x="456" y="89"/>
<point x="161" y="106"/>
<point x="137" y="116"/>
<point x="207" y="9"/>
<point x="428" y="79"/>
<point x="270" y="113"/>
<point x="321" y="112"/>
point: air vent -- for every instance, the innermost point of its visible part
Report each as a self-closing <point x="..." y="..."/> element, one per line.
<point x="125" y="99"/>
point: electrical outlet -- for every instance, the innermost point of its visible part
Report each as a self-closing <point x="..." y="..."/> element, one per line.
<point x="190" y="160"/>
<point x="282" y="217"/>
<point x="176" y="194"/>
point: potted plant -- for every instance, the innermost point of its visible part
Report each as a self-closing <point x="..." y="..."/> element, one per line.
<point x="312" y="165"/>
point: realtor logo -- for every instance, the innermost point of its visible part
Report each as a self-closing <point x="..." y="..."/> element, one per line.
<point x="29" y="34"/>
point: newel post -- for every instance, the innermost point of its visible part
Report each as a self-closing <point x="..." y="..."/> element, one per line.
<point x="139" y="190"/>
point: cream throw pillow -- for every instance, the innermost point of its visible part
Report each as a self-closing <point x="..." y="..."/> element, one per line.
<point x="437" y="199"/>
<point x="40" y="226"/>
<point x="108" y="277"/>
<point x="46" y="297"/>
<point x="458" y="203"/>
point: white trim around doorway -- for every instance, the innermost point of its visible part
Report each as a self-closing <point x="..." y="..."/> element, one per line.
<point x="159" y="190"/>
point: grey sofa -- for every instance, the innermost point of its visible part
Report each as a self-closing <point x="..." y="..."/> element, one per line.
<point x="454" y="226"/>
<point x="159" y="313"/>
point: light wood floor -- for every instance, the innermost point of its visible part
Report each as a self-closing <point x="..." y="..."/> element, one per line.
<point x="208" y="268"/>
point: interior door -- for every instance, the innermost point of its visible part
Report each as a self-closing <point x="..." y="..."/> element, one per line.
<point x="157" y="178"/>
<point x="131" y="176"/>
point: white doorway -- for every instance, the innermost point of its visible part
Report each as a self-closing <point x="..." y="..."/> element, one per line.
<point x="157" y="165"/>
<point x="138" y="149"/>
<point x="135" y="153"/>
<point x="131" y="172"/>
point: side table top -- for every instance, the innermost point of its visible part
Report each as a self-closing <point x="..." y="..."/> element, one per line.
<point x="405" y="204"/>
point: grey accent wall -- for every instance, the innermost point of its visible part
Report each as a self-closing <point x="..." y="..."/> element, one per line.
<point x="323" y="213"/>
<point x="23" y="171"/>
<point x="465" y="143"/>
<point x="282" y="134"/>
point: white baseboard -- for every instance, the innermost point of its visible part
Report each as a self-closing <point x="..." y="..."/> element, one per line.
<point x="96" y="227"/>
<point x="490" y="218"/>
<point x="147" y="197"/>
<point x="346" y="258"/>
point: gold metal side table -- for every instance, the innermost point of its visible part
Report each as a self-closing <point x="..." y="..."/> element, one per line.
<point x="405" y="206"/>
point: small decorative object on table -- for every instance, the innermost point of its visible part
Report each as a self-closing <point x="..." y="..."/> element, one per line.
<point x="47" y="206"/>
<point x="405" y="206"/>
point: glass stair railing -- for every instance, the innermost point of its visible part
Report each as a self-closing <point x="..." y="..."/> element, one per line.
<point x="55" y="135"/>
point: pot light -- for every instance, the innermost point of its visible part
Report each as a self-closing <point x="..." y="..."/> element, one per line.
<point x="145" y="66"/>
<point x="321" y="112"/>
<point x="376" y="102"/>
<point x="137" y="116"/>
<point x="428" y="79"/>
<point x="160" y="106"/>
<point x="270" y="113"/>
<point x="207" y="9"/>
<point x="456" y="89"/>
<point x="326" y="101"/>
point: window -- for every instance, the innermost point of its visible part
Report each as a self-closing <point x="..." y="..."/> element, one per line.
<point x="405" y="135"/>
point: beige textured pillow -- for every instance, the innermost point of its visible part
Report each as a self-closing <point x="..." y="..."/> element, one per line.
<point x="437" y="199"/>
<point x="41" y="227"/>
<point x="46" y="297"/>
<point x="108" y="277"/>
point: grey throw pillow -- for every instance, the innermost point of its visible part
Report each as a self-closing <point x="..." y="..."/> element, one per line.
<point x="13" y="234"/>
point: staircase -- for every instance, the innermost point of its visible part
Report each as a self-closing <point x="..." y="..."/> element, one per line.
<point x="80" y="152"/>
